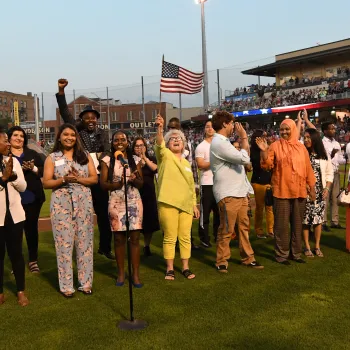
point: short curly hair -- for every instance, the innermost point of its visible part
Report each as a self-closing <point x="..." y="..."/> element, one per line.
<point x="220" y="118"/>
<point x="175" y="132"/>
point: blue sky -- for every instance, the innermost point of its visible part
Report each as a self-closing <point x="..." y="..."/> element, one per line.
<point x="113" y="42"/>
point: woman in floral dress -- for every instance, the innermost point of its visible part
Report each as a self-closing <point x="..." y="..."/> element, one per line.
<point x="323" y="170"/>
<point x="112" y="180"/>
<point x="69" y="171"/>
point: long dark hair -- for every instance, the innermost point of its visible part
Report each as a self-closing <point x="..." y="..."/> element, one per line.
<point x="253" y="146"/>
<point x="18" y="128"/>
<point x="129" y="154"/>
<point x="79" y="154"/>
<point x="317" y="144"/>
<point x="138" y="138"/>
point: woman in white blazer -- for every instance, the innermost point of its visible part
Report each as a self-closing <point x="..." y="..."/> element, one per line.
<point x="323" y="170"/>
<point x="12" y="218"/>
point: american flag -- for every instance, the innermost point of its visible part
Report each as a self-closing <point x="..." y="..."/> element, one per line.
<point x="176" y="79"/>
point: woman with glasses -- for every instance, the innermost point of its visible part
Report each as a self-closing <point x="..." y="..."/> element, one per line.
<point x="148" y="164"/>
<point x="176" y="197"/>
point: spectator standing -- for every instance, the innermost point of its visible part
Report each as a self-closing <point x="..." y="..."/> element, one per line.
<point x="69" y="171"/>
<point x="207" y="203"/>
<point x="149" y="167"/>
<point x="96" y="142"/>
<point x="291" y="173"/>
<point x="33" y="197"/>
<point x="12" y="217"/>
<point x="231" y="188"/>
<point x="333" y="150"/>
<point x="323" y="170"/>
<point x="176" y="197"/>
<point x="261" y="182"/>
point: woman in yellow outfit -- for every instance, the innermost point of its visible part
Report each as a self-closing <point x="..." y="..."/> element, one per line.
<point x="176" y="197"/>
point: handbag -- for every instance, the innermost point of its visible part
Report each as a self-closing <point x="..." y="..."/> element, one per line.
<point x="269" y="197"/>
<point x="343" y="198"/>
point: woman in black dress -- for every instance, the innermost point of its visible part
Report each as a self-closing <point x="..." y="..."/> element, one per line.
<point x="148" y="193"/>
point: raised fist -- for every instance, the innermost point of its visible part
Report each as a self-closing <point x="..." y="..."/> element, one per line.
<point x="62" y="83"/>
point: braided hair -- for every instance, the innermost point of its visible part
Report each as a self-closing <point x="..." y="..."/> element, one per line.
<point x="129" y="154"/>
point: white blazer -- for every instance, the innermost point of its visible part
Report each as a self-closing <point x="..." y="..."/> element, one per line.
<point x="327" y="173"/>
<point x="15" y="201"/>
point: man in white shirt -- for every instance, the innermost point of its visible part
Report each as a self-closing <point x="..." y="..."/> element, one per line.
<point x="208" y="202"/>
<point x="334" y="153"/>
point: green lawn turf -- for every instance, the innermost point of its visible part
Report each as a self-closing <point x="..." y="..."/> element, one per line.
<point x="298" y="307"/>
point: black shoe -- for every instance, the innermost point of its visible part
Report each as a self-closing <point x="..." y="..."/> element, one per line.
<point x="254" y="265"/>
<point x="300" y="261"/>
<point x="108" y="255"/>
<point x="206" y="245"/>
<point x="222" y="268"/>
<point x="194" y="247"/>
<point x="336" y="226"/>
<point x="147" y="251"/>
<point x="284" y="262"/>
<point x="325" y="228"/>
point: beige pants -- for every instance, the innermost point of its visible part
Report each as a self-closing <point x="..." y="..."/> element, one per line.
<point x="232" y="210"/>
<point x="332" y="201"/>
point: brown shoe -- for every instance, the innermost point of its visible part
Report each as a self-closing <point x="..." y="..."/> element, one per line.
<point x="22" y="299"/>
<point x="2" y="298"/>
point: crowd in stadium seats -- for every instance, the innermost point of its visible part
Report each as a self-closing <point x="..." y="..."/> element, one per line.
<point x="286" y="97"/>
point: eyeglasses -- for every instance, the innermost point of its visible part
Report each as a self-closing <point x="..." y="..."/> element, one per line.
<point x="177" y="138"/>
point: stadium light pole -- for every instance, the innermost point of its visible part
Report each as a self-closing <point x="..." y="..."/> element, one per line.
<point x="204" y="57"/>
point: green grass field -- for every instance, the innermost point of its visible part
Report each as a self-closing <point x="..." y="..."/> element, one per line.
<point x="297" y="307"/>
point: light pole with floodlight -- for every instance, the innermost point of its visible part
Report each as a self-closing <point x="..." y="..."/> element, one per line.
<point x="204" y="57"/>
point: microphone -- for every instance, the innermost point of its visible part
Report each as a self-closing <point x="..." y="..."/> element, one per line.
<point x="119" y="156"/>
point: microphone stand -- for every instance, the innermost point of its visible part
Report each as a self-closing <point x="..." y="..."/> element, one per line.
<point x="131" y="324"/>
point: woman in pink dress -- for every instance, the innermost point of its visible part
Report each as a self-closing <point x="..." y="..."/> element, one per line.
<point x="112" y="180"/>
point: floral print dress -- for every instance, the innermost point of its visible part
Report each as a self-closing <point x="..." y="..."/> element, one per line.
<point x="314" y="211"/>
<point x="116" y="206"/>
<point x="72" y="225"/>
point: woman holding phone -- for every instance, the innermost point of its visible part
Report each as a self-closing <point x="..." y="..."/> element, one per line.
<point x="112" y="179"/>
<point x="33" y="197"/>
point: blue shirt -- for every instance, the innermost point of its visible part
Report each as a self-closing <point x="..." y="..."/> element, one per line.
<point x="26" y="196"/>
<point x="227" y="165"/>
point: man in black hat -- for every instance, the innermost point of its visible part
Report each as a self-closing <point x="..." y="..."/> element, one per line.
<point x="95" y="141"/>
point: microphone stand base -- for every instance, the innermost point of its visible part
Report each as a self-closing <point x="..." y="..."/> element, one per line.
<point x="127" y="325"/>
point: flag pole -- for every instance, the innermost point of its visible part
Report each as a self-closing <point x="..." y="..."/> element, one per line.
<point x="160" y="91"/>
<point x="180" y="107"/>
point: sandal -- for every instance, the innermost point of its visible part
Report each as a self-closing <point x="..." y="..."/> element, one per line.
<point x="170" y="274"/>
<point x="67" y="295"/>
<point x="187" y="273"/>
<point x="308" y="253"/>
<point x="318" y="252"/>
<point x="33" y="267"/>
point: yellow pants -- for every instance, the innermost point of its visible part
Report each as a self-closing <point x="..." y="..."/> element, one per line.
<point x="176" y="224"/>
<point x="259" y="193"/>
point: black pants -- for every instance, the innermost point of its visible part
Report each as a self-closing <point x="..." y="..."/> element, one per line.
<point x="32" y="211"/>
<point x="100" y="201"/>
<point x="208" y="204"/>
<point x="11" y="237"/>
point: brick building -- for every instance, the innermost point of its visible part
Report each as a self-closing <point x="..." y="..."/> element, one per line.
<point x="25" y="106"/>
